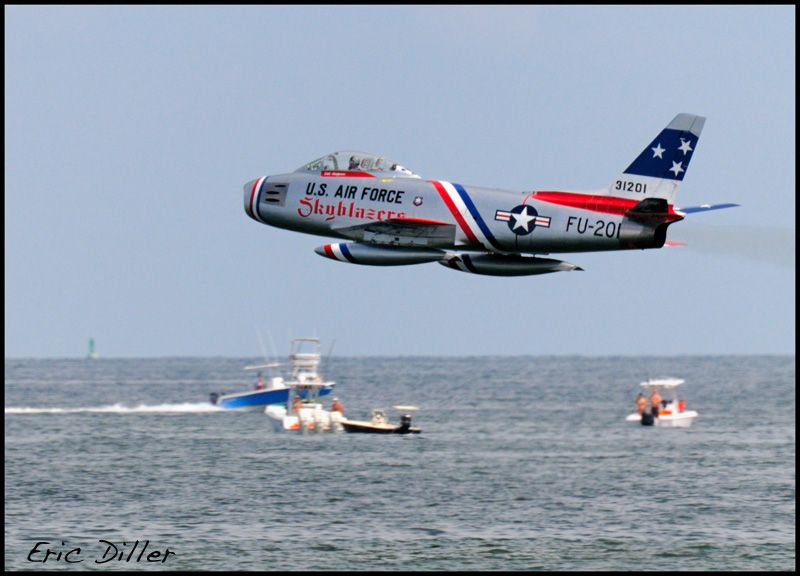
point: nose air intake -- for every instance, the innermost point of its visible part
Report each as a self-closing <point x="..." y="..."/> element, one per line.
<point x="252" y="191"/>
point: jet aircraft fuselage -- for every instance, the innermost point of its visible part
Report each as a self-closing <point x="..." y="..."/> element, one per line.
<point x="391" y="216"/>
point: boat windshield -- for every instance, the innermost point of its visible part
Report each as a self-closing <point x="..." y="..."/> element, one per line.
<point x="351" y="161"/>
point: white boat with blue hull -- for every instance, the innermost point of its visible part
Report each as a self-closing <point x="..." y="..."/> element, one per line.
<point x="304" y="369"/>
<point x="256" y="399"/>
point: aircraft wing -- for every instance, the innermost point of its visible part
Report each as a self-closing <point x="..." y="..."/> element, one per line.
<point x="704" y="208"/>
<point x="402" y="232"/>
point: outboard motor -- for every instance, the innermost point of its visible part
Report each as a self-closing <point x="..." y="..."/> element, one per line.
<point x="405" y="423"/>
<point x="647" y="419"/>
<point x="213" y="398"/>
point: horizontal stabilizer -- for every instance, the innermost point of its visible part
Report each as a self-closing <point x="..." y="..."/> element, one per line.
<point x="704" y="208"/>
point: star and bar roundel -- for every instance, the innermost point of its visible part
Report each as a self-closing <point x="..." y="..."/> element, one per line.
<point x="522" y="219"/>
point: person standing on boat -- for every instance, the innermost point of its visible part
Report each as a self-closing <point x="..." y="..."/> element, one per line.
<point x="641" y="403"/>
<point x="260" y="384"/>
<point x="297" y="403"/>
<point x="655" y="402"/>
<point x="337" y="406"/>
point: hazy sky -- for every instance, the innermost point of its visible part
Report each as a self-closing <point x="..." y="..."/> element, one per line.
<point x="130" y="131"/>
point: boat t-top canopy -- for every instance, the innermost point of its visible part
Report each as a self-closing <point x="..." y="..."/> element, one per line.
<point x="305" y="354"/>
<point x="262" y="366"/>
<point x="663" y="382"/>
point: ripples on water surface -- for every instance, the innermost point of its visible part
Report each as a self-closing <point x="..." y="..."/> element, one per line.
<point x="523" y="463"/>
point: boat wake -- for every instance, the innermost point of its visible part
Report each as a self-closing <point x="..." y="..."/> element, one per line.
<point x="182" y="408"/>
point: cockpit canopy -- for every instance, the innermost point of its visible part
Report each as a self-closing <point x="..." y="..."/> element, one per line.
<point x="352" y="161"/>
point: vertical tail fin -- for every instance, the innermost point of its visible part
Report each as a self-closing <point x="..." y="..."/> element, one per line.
<point x="659" y="169"/>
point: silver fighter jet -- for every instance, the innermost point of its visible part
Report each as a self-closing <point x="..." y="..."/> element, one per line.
<point x="387" y="215"/>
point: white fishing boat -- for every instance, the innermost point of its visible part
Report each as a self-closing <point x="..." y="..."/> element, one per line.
<point x="304" y="412"/>
<point x="302" y="409"/>
<point x="672" y="412"/>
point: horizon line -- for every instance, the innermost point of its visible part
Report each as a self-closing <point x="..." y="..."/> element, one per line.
<point x="487" y="355"/>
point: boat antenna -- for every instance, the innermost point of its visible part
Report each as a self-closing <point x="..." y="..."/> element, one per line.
<point x="272" y="346"/>
<point x="261" y="344"/>
<point x="268" y="362"/>
<point x="330" y="351"/>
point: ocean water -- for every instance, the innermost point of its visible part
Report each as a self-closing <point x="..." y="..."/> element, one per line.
<point x="523" y="463"/>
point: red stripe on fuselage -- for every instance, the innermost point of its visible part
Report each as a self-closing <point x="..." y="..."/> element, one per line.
<point x="342" y="174"/>
<point x="593" y="202"/>
<point x="329" y="252"/>
<point x="455" y="212"/>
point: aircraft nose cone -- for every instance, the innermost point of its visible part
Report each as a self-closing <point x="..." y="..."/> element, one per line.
<point x="251" y="190"/>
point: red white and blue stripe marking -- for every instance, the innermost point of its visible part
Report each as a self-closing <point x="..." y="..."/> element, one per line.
<point x="252" y="206"/>
<point x="466" y="214"/>
<point x="339" y="251"/>
<point x="461" y="262"/>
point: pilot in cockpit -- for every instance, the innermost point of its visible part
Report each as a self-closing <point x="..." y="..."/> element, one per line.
<point x="401" y="169"/>
<point x="353" y="163"/>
